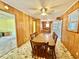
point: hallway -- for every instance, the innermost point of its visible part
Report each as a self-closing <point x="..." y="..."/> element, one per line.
<point x="39" y="28"/>
<point x="24" y="52"/>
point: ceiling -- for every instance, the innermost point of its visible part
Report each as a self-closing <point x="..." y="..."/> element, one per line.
<point x="55" y="8"/>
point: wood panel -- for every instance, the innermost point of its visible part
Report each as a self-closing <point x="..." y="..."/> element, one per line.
<point x="23" y="23"/>
<point x="70" y="39"/>
<point x="34" y="26"/>
<point x="31" y="23"/>
<point x="38" y="26"/>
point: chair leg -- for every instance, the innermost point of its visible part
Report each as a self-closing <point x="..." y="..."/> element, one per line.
<point x="54" y="54"/>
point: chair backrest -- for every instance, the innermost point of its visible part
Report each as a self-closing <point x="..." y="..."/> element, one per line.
<point x="32" y="36"/>
<point x="40" y="48"/>
<point x="55" y="36"/>
<point x="36" y="33"/>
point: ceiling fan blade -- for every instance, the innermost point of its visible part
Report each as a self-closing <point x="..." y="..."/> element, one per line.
<point x="50" y="11"/>
<point x="43" y="3"/>
<point x="57" y="6"/>
<point x="33" y="8"/>
<point x="37" y="13"/>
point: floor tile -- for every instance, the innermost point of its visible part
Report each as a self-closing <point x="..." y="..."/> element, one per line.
<point x="24" y="52"/>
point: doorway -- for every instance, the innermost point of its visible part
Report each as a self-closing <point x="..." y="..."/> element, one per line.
<point x="57" y="27"/>
<point x="7" y="32"/>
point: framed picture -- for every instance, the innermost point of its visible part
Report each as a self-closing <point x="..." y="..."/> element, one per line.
<point x="73" y="21"/>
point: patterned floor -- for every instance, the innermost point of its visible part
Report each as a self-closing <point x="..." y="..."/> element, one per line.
<point x="24" y="52"/>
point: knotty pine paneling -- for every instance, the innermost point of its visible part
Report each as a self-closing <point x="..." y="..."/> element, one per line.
<point x="34" y="26"/>
<point x="23" y="23"/>
<point x="70" y="39"/>
<point x="38" y="26"/>
<point x="31" y="25"/>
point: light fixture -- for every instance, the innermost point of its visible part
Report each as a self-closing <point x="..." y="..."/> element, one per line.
<point x="6" y="7"/>
<point x="43" y="14"/>
<point x="47" y="24"/>
<point x="43" y="10"/>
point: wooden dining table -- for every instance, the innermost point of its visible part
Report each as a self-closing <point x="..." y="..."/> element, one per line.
<point x="45" y="37"/>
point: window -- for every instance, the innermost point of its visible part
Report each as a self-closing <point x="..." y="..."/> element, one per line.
<point x="73" y="21"/>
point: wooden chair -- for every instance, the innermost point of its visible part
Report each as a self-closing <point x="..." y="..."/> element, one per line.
<point x="32" y="36"/>
<point x="33" y="50"/>
<point x="51" y="53"/>
<point x="36" y="33"/>
<point x="52" y="48"/>
<point x="55" y="37"/>
<point x="39" y="49"/>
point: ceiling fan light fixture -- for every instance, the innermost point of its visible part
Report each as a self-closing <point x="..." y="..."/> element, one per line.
<point x="43" y="14"/>
<point x="43" y="10"/>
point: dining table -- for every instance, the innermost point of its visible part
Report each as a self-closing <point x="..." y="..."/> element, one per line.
<point x="45" y="37"/>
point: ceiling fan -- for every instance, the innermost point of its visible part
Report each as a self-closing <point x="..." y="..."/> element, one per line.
<point x="45" y="10"/>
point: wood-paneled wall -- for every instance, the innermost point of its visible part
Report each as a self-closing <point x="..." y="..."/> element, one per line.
<point x="70" y="39"/>
<point x="31" y="27"/>
<point x="38" y="26"/>
<point x="23" y="23"/>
